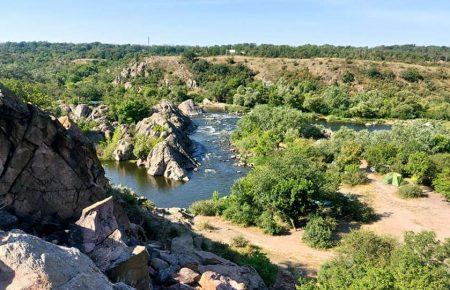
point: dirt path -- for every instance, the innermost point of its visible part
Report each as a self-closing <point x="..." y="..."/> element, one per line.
<point x="287" y="250"/>
<point x="397" y="215"/>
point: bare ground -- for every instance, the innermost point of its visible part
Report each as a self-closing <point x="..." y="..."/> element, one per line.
<point x="397" y="215"/>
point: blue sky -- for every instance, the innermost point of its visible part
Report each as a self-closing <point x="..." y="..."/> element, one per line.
<point x="208" y="22"/>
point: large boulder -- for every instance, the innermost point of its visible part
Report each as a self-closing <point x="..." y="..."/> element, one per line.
<point x="124" y="150"/>
<point x="45" y="169"/>
<point x="234" y="274"/>
<point x="27" y="262"/>
<point x="169" y="160"/>
<point x="81" y="111"/>
<point x="132" y="271"/>
<point x="189" y="108"/>
<point x="98" y="235"/>
<point x="214" y="281"/>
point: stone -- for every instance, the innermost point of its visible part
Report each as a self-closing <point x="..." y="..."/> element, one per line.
<point x="159" y="264"/>
<point x="170" y="161"/>
<point x="233" y="274"/>
<point x="97" y="234"/>
<point x="207" y="102"/>
<point x="187" y="276"/>
<point x="180" y="286"/>
<point x="28" y="262"/>
<point x="96" y="223"/>
<point x="45" y="169"/>
<point x="182" y="244"/>
<point x="208" y="258"/>
<point x="81" y="111"/>
<point x="7" y="220"/>
<point x="124" y="150"/>
<point x="132" y="271"/>
<point x="213" y="281"/>
<point x="189" y="108"/>
<point x="71" y="127"/>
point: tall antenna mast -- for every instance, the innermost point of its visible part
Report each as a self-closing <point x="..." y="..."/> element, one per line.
<point x="148" y="40"/>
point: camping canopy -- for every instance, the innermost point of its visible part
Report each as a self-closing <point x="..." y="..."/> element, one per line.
<point x="393" y="178"/>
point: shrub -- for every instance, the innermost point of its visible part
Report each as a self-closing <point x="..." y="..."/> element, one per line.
<point x="143" y="145"/>
<point x="205" y="226"/>
<point x="132" y="110"/>
<point x="412" y="75"/>
<point x="442" y="183"/>
<point x="203" y="207"/>
<point x="353" y="175"/>
<point x="319" y="232"/>
<point x="410" y="191"/>
<point x="239" y="242"/>
<point x="208" y="207"/>
<point x="247" y="256"/>
<point x="368" y="261"/>
<point x="374" y="73"/>
<point x="86" y="125"/>
<point x="267" y="222"/>
<point x="348" y="77"/>
<point x="107" y="148"/>
<point x="421" y="167"/>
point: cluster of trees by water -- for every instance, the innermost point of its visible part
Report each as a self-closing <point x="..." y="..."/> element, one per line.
<point x="295" y="181"/>
<point x="295" y="178"/>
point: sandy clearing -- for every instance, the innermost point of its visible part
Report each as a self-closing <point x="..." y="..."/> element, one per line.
<point x="397" y="215"/>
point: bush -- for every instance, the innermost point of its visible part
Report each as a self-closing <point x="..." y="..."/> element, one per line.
<point x="412" y="75"/>
<point x="368" y="261"/>
<point x="421" y="168"/>
<point x="353" y="175"/>
<point x="410" y="191"/>
<point x="247" y="256"/>
<point x="107" y="148"/>
<point x="319" y="232"/>
<point x="132" y="110"/>
<point x="442" y="183"/>
<point x="143" y="145"/>
<point x="208" y="207"/>
<point x="203" y="207"/>
<point x="348" y="77"/>
<point x="239" y="242"/>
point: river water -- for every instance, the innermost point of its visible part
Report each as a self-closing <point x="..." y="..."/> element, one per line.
<point x="217" y="171"/>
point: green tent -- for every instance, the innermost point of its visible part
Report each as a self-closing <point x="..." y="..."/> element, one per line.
<point x="393" y="178"/>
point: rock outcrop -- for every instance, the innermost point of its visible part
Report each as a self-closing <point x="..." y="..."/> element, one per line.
<point x="45" y="169"/>
<point x="171" y="157"/>
<point x="27" y="262"/>
<point x="189" y="108"/>
<point x="97" y="234"/>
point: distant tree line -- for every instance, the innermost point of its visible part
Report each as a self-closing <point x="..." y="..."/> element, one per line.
<point x="406" y="53"/>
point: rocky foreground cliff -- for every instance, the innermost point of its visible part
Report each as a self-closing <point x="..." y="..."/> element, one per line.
<point x="64" y="227"/>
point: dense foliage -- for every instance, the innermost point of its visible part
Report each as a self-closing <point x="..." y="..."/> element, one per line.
<point x="46" y="73"/>
<point x="368" y="261"/>
<point x="410" y="53"/>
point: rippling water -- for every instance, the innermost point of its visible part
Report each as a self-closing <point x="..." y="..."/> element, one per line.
<point x="216" y="172"/>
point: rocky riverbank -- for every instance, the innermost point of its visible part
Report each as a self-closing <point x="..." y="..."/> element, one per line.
<point x="164" y="134"/>
<point x="64" y="227"/>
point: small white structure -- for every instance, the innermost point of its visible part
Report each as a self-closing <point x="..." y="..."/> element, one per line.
<point x="231" y="51"/>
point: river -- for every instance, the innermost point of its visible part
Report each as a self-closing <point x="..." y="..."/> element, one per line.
<point x="217" y="171"/>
